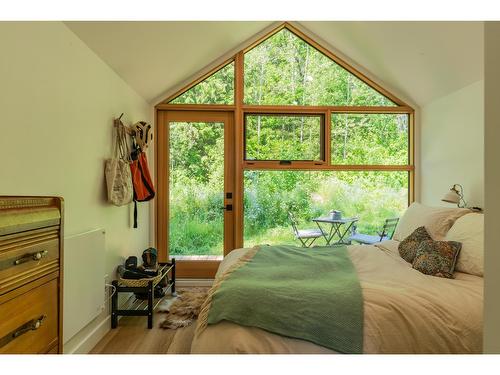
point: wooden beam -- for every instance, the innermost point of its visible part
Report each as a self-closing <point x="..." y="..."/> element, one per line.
<point x="320" y="166"/>
<point x="328" y="138"/>
<point x="284" y="108"/>
<point x="162" y="187"/>
<point x="239" y="151"/>
<point x="195" y="107"/>
<point x="411" y="157"/>
<point x="229" y="182"/>
<point x="368" y="109"/>
<point x="322" y="109"/>
<point x="156" y="206"/>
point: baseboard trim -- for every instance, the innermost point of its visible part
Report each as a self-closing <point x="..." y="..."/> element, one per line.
<point x="90" y="341"/>
<point x="86" y="344"/>
<point x="193" y="282"/>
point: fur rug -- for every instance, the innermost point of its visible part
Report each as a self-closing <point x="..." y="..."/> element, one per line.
<point x="184" y="309"/>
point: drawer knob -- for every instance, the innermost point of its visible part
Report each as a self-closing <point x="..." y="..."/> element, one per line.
<point x="39" y="255"/>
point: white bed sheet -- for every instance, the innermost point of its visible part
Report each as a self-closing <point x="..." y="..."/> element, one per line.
<point x="405" y="311"/>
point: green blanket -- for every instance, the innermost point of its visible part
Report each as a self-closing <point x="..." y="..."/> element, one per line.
<point x="310" y="294"/>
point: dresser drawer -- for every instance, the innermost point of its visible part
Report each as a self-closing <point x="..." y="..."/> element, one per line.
<point x="29" y="321"/>
<point x="27" y="255"/>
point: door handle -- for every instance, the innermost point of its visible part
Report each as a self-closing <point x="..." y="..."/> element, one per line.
<point x="227" y="207"/>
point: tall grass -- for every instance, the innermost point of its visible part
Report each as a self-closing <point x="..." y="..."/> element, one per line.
<point x="196" y="220"/>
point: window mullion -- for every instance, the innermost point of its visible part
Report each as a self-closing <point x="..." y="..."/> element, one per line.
<point x="327" y="143"/>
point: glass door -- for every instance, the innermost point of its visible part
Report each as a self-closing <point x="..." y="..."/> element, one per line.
<point x="198" y="186"/>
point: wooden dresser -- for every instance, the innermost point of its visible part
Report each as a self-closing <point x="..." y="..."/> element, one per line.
<point x="31" y="243"/>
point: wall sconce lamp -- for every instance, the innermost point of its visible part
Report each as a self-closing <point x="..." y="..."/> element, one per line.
<point x="456" y="196"/>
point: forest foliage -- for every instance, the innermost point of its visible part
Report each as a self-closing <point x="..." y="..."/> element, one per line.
<point x="284" y="70"/>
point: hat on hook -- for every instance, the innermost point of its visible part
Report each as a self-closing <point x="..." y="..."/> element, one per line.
<point x="143" y="134"/>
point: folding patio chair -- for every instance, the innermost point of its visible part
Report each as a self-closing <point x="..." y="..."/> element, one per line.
<point x="305" y="236"/>
<point x="386" y="234"/>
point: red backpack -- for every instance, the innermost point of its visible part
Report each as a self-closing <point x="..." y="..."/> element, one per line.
<point x="144" y="189"/>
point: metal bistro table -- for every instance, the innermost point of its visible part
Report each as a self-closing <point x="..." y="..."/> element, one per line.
<point x="336" y="229"/>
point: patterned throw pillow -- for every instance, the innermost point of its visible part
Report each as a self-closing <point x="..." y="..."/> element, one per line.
<point x="437" y="258"/>
<point x="408" y="247"/>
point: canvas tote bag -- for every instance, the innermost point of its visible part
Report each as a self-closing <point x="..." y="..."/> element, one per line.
<point x="117" y="170"/>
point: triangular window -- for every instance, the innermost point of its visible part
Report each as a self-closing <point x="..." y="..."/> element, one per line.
<point x="215" y="89"/>
<point x="286" y="70"/>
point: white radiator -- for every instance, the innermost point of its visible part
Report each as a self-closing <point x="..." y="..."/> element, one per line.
<point x="84" y="270"/>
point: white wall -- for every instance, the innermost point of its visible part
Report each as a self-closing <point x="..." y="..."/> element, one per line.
<point x="491" y="326"/>
<point x="57" y="101"/>
<point x="452" y="146"/>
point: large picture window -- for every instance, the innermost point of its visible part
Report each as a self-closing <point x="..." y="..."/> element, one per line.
<point x="304" y="133"/>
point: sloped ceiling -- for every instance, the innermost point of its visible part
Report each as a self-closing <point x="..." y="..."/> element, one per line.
<point x="421" y="61"/>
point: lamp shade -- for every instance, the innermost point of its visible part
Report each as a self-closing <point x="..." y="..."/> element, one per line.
<point x="451" y="197"/>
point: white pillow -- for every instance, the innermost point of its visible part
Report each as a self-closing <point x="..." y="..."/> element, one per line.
<point x="437" y="220"/>
<point x="469" y="230"/>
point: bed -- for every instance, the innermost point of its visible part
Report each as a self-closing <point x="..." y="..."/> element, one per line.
<point x="405" y="311"/>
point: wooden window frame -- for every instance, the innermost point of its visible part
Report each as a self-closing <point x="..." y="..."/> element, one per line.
<point x="191" y="268"/>
<point x="239" y="110"/>
<point x="275" y="162"/>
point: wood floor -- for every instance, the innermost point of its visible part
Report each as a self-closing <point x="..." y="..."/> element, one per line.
<point x="133" y="337"/>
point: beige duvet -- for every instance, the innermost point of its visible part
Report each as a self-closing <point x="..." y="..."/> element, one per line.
<point x="405" y="311"/>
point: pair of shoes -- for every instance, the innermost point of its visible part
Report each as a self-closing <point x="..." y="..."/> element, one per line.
<point x="134" y="273"/>
<point x="149" y="268"/>
<point x="158" y="293"/>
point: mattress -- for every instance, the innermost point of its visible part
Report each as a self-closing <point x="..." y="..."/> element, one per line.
<point x="405" y="311"/>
